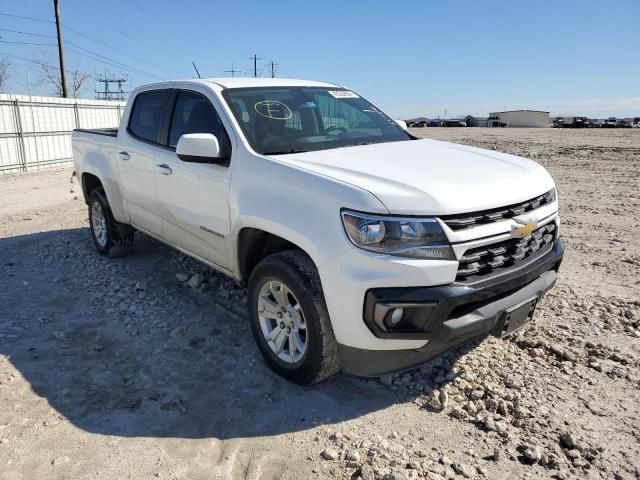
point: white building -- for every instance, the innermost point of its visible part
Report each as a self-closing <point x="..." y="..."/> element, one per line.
<point x="519" y="118"/>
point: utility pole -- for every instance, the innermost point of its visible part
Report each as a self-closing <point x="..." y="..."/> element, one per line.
<point x="273" y="67"/>
<point x="63" y="77"/>
<point x="232" y="71"/>
<point x="255" y="59"/>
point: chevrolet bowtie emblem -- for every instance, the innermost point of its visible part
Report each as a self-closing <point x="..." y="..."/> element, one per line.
<point x="523" y="230"/>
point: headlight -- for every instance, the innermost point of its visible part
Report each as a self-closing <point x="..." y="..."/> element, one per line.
<point x="404" y="237"/>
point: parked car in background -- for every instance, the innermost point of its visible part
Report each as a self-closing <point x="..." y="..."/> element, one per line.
<point x="571" y="122"/>
<point x="362" y="247"/>
<point x="610" y="122"/>
<point x="453" y="123"/>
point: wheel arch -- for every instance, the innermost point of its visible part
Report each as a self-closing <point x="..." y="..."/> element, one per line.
<point x="89" y="183"/>
<point x="254" y="244"/>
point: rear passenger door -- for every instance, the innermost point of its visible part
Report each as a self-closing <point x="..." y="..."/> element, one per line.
<point x="138" y="147"/>
<point x="194" y="197"/>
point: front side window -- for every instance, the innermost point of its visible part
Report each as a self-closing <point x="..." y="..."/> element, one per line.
<point x="280" y="120"/>
<point x="193" y="113"/>
<point x="146" y="114"/>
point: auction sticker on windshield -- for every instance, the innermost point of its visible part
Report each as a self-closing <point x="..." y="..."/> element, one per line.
<point x="342" y="94"/>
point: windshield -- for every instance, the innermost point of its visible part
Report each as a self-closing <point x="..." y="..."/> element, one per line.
<point x="281" y="120"/>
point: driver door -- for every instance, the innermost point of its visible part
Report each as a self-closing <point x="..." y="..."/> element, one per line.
<point x="194" y="197"/>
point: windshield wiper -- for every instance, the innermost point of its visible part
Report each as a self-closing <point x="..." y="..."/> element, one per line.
<point x="284" y="152"/>
<point x="358" y="144"/>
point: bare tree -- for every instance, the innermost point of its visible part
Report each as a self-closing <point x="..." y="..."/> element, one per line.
<point x="4" y="74"/>
<point x="51" y="76"/>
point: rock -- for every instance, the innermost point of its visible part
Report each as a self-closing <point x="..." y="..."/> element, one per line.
<point x="595" y="365"/>
<point x="367" y="473"/>
<point x="496" y="455"/>
<point x="352" y="456"/>
<point x="513" y="382"/>
<point x="491" y="404"/>
<point x="471" y="408"/>
<point x="460" y="469"/>
<point x="329" y="454"/>
<point x="434" y="402"/>
<point x="386" y="380"/>
<point x="458" y="413"/>
<point x="182" y="277"/>
<point x="177" y="331"/>
<point x="476" y="394"/>
<point x="444" y="460"/>
<point x="533" y="453"/>
<point x="444" y="399"/>
<point x="195" y="281"/>
<point x="567" y="440"/>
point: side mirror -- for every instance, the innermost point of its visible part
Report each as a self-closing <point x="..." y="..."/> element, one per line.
<point x="402" y="124"/>
<point x="199" y="148"/>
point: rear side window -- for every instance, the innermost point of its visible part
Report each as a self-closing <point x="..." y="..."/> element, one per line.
<point x="146" y="115"/>
<point x="194" y="113"/>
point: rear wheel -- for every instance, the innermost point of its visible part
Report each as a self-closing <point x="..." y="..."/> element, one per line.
<point x="289" y="318"/>
<point x="111" y="238"/>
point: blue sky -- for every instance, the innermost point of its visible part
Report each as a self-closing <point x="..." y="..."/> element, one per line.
<point x="412" y="58"/>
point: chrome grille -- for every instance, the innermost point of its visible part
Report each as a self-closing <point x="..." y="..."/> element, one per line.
<point x="485" y="260"/>
<point x="467" y="220"/>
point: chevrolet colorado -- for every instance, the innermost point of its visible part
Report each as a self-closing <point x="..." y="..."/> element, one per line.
<point x="363" y="248"/>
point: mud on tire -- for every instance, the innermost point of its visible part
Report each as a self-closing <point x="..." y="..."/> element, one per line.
<point x="111" y="238"/>
<point x="295" y="269"/>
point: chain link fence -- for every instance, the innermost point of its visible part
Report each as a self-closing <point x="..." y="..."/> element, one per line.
<point x="35" y="132"/>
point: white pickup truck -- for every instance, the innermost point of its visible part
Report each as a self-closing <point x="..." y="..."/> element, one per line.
<point x="363" y="248"/>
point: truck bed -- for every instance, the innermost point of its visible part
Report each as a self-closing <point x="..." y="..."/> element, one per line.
<point x="109" y="132"/>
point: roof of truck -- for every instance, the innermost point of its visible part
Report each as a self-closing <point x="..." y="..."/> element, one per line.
<point x="244" y="82"/>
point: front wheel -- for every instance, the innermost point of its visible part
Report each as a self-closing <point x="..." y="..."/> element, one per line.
<point x="289" y="318"/>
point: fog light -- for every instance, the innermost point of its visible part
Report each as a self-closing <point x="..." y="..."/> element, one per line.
<point x="396" y="315"/>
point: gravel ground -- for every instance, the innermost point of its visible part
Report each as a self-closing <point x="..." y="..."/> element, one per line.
<point x="144" y="367"/>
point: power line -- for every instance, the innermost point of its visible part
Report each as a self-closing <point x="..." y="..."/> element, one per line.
<point x="121" y="51"/>
<point x="30" y="43"/>
<point x="26" y="33"/>
<point x="102" y="58"/>
<point x="65" y="27"/>
<point x="117" y="65"/>
<point x="27" y="18"/>
<point x="132" y="69"/>
<point x="32" y="61"/>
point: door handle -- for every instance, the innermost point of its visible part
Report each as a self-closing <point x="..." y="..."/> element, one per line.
<point x="124" y="155"/>
<point x="166" y="169"/>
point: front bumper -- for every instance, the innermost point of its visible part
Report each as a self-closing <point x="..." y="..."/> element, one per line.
<point x="459" y="313"/>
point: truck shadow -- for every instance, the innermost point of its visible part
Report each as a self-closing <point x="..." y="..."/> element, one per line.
<point x="121" y="347"/>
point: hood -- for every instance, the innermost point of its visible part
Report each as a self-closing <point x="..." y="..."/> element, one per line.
<point x="429" y="177"/>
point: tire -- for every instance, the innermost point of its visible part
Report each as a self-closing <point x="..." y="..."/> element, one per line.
<point x="298" y="274"/>
<point x="111" y="238"/>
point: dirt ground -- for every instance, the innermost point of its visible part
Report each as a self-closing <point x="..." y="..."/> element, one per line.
<point x="113" y="368"/>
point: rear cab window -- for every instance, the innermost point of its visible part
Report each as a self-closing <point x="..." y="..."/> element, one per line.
<point x="146" y="115"/>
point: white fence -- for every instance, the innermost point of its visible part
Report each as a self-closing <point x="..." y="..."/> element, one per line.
<point x="35" y="132"/>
